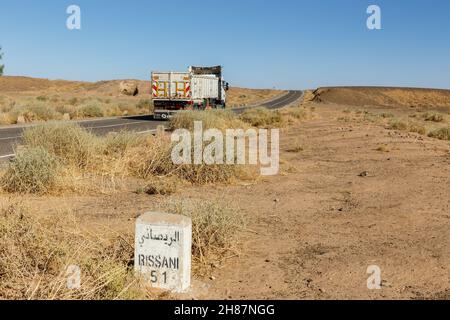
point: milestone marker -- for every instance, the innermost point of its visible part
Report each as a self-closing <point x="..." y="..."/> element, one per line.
<point x="163" y="250"/>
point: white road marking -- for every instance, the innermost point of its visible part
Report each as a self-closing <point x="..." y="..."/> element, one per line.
<point x="7" y="156"/>
<point x="118" y="125"/>
<point x="10" y="138"/>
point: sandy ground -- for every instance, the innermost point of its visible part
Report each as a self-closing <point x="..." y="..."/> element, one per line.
<point x="313" y="230"/>
<point x="319" y="229"/>
<point x="412" y="98"/>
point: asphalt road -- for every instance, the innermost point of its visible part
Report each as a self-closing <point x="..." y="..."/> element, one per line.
<point x="11" y="136"/>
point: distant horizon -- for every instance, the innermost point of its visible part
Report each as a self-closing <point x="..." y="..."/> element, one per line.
<point x="241" y="87"/>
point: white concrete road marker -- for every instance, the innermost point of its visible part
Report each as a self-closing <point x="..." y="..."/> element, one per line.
<point x="163" y="251"/>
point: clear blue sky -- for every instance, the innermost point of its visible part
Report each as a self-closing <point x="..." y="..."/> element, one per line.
<point x="283" y="43"/>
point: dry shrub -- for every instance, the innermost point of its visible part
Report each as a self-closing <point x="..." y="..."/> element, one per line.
<point x="34" y="111"/>
<point x="112" y="111"/>
<point x="68" y="141"/>
<point x="211" y="119"/>
<point x="100" y="164"/>
<point x="67" y="108"/>
<point x="416" y="128"/>
<point x="145" y="105"/>
<point x="262" y="117"/>
<point x="434" y="117"/>
<point x="295" y="149"/>
<point x="33" y="170"/>
<point x="40" y="112"/>
<point x="35" y="254"/>
<point x="128" y="109"/>
<point x="383" y="148"/>
<point x="215" y="225"/>
<point x="163" y="185"/>
<point x="442" y="133"/>
<point x="386" y="115"/>
<point x="73" y="101"/>
<point x="6" y="118"/>
<point x="151" y="158"/>
<point x="292" y="115"/>
<point x="119" y="143"/>
<point x="296" y="112"/>
<point x="154" y="158"/>
<point x="209" y="174"/>
<point x="396" y="124"/>
<point x="91" y="110"/>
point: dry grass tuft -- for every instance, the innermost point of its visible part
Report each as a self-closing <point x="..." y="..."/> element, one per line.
<point x="433" y="116"/>
<point x="69" y="142"/>
<point x="90" y="110"/>
<point x="151" y="158"/>
<point x="262" y="117"/>
<point x="295" y="149"/>
<point x="33" y="170"/>
<point x="215" y="225"/>
<point x="212" y="119"/>
<point x="35" y="255"/>
<point x="117" y="144"/>
<point x="417" y="128"/>
<point x="163" y="186"/>
<point x="90" y="163"/>
<point x="209" y="174"/>
<point x="383" y="148"/>
<point x="442" y="133"/>
<point x="397" y="124"/>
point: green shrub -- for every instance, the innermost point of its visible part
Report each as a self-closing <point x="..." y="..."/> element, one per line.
<point x="33" y="170"/>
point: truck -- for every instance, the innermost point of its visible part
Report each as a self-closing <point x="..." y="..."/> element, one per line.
<point x="200" y="88"/>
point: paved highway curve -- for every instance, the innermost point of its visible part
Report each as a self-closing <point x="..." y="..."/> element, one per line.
<point x="10" y="136"/>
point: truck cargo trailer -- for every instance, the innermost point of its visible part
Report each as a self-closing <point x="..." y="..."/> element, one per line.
<point x="200" y="88"/>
